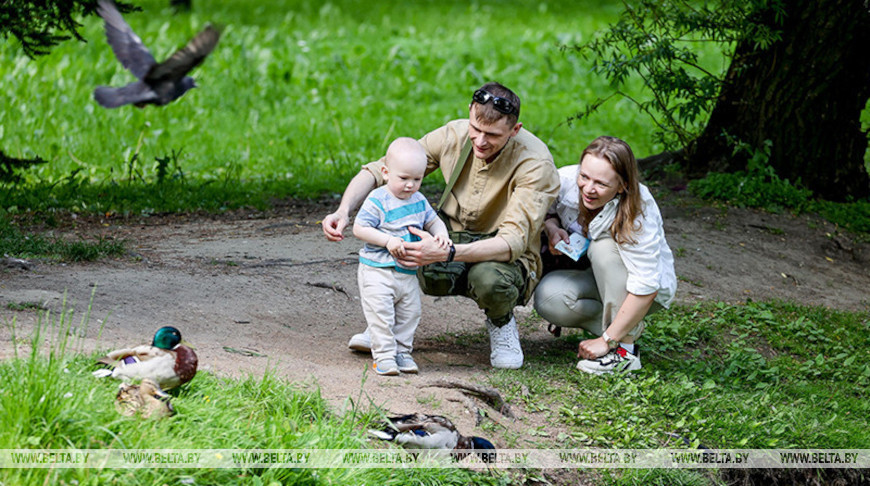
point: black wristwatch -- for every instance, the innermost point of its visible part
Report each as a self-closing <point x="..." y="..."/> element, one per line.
<point x="451" y="253"/>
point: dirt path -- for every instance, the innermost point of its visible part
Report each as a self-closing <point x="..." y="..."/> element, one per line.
<point x="254" y="291"/>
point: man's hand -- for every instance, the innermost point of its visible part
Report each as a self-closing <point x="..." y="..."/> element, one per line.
<point x="422" y="252"/>
<point x="333" y="226"/>
<point x="592" y="348"/>
<point x="356" y="192"/>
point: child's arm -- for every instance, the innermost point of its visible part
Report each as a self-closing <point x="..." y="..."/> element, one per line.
<point x="374" y="236"/>
<point x="438" y="229"/>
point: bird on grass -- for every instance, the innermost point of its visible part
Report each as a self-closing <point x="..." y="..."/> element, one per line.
<point x="157" y="84"/>
<point x="167" y="361"/>
<point x="145" y="399"/>
<point x="421" y="431"/>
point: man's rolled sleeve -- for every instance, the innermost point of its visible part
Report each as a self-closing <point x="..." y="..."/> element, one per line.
<point x="530" y="200"/>
<point x="374" y="168"/>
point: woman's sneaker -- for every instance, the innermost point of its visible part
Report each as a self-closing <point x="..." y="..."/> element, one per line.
<point x="406" y="363"/>
<point x="386" y="367"/>
<point x="616" y="360"/>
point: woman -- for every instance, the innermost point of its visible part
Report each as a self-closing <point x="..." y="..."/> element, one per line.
<point x="632" y="267"/>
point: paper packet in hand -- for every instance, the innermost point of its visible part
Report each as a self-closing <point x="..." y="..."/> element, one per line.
<point x="575" y="247"/>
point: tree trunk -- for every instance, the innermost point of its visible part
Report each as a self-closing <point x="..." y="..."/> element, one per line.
<point x="805" y="94"/>
<point x="181" y="5"/>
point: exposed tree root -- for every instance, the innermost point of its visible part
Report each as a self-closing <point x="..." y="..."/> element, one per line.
<point x="489" y="395"/>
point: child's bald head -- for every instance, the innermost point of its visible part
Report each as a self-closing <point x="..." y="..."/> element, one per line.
<point x="405" y="167"/>
<point x="407" y="151"/>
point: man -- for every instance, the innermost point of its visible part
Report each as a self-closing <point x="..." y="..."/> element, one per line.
<point x="505" y="186"/>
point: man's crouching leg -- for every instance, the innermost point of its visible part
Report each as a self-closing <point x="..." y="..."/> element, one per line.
<point x="497" y="288"/>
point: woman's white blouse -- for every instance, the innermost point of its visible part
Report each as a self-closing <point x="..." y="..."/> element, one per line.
<point x="649" y="261"/>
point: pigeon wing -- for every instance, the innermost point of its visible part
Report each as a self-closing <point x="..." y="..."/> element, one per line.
<point x="186" y="58"/>
<point x="127" y="46"/>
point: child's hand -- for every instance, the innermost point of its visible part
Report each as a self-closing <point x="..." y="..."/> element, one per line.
<point x="396" y="247"/>
<point x="443" y="241"/>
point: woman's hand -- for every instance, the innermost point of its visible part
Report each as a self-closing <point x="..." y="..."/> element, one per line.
<point x="592" y="348"/>
<point x="555" y="234"/>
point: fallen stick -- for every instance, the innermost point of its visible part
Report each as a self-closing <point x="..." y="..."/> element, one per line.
<point x="244" y="352"/>
<point x="10" y="262"/>
<point x="471" y="406"/>
<point x="489" y="395"/>
<point x="334" y="287"/>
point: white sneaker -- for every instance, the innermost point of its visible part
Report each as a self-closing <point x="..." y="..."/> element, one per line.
<point x="385" y="367"/>
<point x="406" y="363"/>
<point x="615" y="361"/>
<point x="361" y="342"/>
<point x="504" y="345"/>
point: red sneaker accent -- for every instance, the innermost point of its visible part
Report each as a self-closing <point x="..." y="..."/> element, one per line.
<point x="621" y="351"/>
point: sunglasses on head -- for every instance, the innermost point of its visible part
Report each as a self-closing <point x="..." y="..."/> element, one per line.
<point x="502" y="105"/>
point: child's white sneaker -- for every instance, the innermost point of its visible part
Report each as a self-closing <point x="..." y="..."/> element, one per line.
<point x="361" y="342"/>
<point x="406" y="363"/>
<point x="386" y="367"/>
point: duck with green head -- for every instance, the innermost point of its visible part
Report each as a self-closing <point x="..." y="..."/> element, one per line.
<point x="167" y="361"/>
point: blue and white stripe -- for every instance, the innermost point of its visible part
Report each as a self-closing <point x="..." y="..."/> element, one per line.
<point x="392" y="216"/>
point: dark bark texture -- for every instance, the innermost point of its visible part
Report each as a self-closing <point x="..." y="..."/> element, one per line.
<point x="181" y="5"/>
<point x="805" y="93"/>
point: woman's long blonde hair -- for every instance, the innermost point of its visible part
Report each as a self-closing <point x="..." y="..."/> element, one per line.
<point x="621" y="158"/>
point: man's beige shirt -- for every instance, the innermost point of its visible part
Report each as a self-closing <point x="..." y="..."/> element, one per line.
<point x="511" y="194"/>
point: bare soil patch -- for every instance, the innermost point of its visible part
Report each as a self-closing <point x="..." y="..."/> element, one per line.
<point x="253" y="291"/>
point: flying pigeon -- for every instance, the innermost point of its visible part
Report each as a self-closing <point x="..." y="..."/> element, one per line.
<point x="158" y="84"/>
<point x="421" y="431"/>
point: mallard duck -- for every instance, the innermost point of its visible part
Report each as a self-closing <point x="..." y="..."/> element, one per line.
<point x="167" y="361"/>
<point x="421" y="431"/>
<point x="145" y="399"/>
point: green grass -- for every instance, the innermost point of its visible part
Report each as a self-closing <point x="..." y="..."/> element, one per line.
<point x="139" y="198"/>
<point x="298" y="94"/>
<point x="17" y="243"/>
<point x="24" y="306"/>
<point x="853" y="216"/>
<point x="304" y="92"/>
<point x="51" y="401"/>
<point x="759" y="375"/>
<point x="760" y="187"/>
<point x="295" y="98"/>
<point x="742" y="190"/>
<point x="754" y="376"/>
